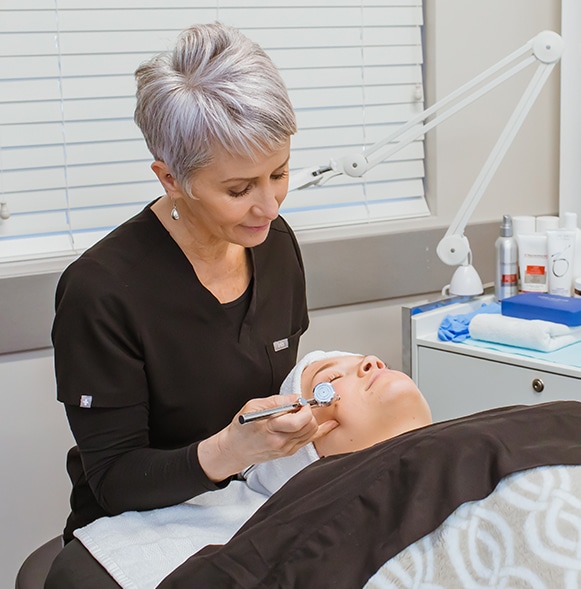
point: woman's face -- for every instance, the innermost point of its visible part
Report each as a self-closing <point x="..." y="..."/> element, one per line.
<point x="236" y="197"/>
<point x="376" y="403"/>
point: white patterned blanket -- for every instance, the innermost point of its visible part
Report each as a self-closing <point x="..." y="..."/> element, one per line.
<point x="526" y="534"/>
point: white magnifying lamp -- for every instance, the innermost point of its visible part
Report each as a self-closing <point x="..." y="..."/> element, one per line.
<point x="545" y="49"/>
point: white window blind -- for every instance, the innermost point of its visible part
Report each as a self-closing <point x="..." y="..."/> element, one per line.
<point x="73" y="165"/>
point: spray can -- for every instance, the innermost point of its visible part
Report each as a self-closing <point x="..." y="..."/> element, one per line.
<point x="506" y="277"/>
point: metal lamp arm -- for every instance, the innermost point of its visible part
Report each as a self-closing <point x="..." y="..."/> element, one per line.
<point x="449" y="250"/>
<point x="374" y="154"/>
<point x="454" y="249"/>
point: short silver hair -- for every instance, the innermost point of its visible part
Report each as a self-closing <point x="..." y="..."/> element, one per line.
<point x="215" y="89"/>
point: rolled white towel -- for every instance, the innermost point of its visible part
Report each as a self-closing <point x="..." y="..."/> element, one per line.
<point x="534" y="334"/>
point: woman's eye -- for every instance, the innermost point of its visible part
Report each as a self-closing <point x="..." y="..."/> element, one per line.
<point x="280" y="176"/>
<point x="240" y="193"/>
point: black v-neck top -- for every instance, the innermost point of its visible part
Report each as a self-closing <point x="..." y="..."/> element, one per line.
<point x="237" y="309"/>
<point x="148" y="362"/>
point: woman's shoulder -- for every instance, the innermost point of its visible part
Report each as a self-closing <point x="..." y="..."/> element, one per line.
<point x="125" y="245"/>
<point x="118" y="254"/>
<point x="281" y="236"/>
<point x="279" y="225"/>
<point x="136" y="232"/>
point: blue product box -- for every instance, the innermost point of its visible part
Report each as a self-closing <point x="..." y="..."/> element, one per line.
<point x="536" y="305"/>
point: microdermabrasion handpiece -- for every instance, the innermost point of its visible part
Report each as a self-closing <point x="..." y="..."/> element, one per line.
<point x="323" y="395"/>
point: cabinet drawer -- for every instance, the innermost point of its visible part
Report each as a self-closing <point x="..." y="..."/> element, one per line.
<point x="457" y="384"/>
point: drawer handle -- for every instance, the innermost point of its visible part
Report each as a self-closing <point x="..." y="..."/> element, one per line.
<point x="538" y="385"/>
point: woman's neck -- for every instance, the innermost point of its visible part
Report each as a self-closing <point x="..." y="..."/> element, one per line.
<point x="224" y="268"/>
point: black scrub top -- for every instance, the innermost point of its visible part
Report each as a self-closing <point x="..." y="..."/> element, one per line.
<point x="134" y="328"/>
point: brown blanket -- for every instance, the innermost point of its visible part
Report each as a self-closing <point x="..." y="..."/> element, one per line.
<point x="335" y="523"/>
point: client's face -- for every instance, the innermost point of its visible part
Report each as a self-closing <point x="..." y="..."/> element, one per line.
<point x="376" y="403"/>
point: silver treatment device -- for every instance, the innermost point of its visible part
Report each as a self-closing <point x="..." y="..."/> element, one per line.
<point x="323" y="395"/>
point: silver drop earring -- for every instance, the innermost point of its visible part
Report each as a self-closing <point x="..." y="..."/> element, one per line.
<point x="174" y="212"/>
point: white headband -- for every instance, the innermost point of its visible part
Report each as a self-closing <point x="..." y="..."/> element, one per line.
<point x="292" y="383"/>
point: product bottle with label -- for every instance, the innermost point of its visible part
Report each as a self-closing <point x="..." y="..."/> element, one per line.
<point x="570" y="222"/>
<point x="506" y="281"/>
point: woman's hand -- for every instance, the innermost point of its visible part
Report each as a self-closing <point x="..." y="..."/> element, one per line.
<point x="237" y="446"/>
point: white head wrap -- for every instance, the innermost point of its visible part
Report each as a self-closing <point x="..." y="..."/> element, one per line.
<point x="292" y="383"/>
<point x="269" y="477"/>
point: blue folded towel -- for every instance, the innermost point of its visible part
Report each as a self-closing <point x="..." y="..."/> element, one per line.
<point x="454" y="328"/>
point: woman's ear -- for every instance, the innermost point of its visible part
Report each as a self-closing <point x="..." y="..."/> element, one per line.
<point x="164" y="176"/>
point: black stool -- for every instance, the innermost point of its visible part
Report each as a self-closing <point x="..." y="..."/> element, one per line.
<point x="34" y="569"/>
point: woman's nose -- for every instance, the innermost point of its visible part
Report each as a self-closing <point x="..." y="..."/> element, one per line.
<point x="269" y="203"/>
<point x="369" y="363"/>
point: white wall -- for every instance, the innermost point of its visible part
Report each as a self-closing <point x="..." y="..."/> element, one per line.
<point x="367" y="328"/>
<point x="463" y="37"/>
<point x="570" y="174"/>
<point x="469" y="36"/>
<point x="34" y="439"/>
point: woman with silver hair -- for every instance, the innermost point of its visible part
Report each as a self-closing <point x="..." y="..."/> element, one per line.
<point x="189" y="313"/>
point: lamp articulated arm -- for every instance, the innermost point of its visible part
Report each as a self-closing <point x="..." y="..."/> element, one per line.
<point x="545" y="49"/>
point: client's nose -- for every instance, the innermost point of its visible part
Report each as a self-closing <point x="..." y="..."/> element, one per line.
<point x="369" y="363"/>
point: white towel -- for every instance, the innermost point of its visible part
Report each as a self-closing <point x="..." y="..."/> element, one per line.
<point x="534" y="334"/>
<point x="268" y="477"/>
<point x="140" y="548"/>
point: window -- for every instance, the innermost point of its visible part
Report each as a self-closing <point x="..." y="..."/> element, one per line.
<point x="73" y="165"/>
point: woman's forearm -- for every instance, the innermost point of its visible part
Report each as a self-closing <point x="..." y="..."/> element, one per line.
<point x="149" y="479"/>
<point x="123" y="471"/>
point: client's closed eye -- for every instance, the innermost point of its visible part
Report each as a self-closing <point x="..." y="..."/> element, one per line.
<point x="329" y="377"/>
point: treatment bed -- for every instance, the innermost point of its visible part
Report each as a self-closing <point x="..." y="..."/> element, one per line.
<point x="488" y="500"/>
